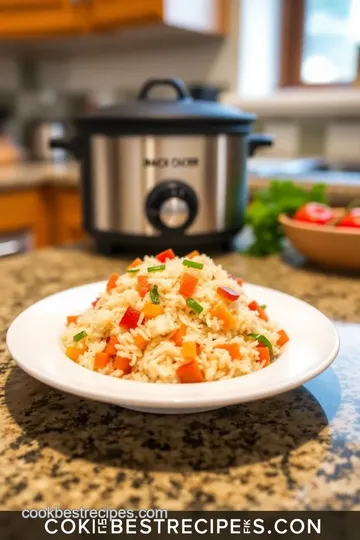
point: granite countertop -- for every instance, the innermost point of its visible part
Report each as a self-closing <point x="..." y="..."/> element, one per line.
<point x="299" y="450"/>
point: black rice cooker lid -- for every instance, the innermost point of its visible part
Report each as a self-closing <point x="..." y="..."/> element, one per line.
<point x="182" y="114"/>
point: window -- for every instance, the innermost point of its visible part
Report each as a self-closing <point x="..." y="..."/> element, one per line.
<point x="321" y="40"/>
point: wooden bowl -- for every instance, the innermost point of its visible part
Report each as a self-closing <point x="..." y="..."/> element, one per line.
<point x="325" y="245"/>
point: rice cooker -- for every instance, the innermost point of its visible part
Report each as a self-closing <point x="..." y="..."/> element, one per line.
<point x="163" y="172"/>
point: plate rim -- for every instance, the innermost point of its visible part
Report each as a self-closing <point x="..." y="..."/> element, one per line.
<point x="185" y="402"/>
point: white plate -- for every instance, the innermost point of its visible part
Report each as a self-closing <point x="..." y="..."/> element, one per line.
<point x="33" y="341"/>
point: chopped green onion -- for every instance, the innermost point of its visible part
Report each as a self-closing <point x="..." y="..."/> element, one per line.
<point x="193" y="264"/>
<point x="158" y="268"/>
<point x="194" y="305"/>
<point x="264" y="340"/>
<point x="154" y="294"/>
<point x="263" y="306"/>
<point x="79" y="336"/>
<point x="133" y="270"/>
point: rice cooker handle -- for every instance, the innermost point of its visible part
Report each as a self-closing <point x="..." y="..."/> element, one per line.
<point x="256" y="140"/>
<point x="71" y="145"/>
<point x="176" y="84"/>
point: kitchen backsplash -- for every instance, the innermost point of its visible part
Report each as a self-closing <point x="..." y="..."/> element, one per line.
<point x="337" y="139"/>
<point x="334" y="139"/>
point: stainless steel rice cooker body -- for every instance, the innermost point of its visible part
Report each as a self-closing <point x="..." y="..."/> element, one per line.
<point x="164" y="172"/>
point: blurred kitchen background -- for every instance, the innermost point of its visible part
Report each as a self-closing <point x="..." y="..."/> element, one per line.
<point x="295" y="63"/>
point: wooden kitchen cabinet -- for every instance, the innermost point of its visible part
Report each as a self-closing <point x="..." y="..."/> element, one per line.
<point x="48" y="18"/>
<point x="207" y="16"/>
<point x="25" y="211"/>
<point x="34" y="18"/>
<point x="64" y="214"/>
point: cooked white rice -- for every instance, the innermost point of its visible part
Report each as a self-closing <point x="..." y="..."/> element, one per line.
<point x="161" y="358"/>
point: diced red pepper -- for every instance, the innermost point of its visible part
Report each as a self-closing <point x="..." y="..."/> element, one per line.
<point x="254" y="306"/>
<point x="112" y="282"/>
<point x="167" y="254"/>
<point x="142" y="285"/>
<point x="130" y="318"/>
<point x="228" y="294"/>
<point x="95" y="302"/>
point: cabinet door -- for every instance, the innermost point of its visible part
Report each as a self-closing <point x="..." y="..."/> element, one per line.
<point x="27" y="18"/>
<point x="108" y="13"/>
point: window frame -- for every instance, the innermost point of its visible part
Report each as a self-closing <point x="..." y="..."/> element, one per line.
<point x="292" y="40"/>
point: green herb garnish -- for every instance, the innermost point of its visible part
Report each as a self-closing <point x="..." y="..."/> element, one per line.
<point x="262" y="215"/>
<point x="158" y="268"/>
<point x="79" y="336"/>
<point x="264" y="340"/>
<point x="133" y="270"/>
<point x="194" y="305"/>
<point x="263" y="306"/>
<point x="193" y="264"/>
<point x="154" y="294"/>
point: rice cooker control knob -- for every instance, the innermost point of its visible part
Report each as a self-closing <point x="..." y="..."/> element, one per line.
<point x="171" y="205"/>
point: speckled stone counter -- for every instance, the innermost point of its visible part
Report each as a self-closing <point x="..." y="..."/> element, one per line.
<point x="299" y="450"/>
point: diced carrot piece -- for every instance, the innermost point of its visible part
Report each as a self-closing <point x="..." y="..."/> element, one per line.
<point x="178" y="335"/>
<point x="239" y="281"/>
<point x="123" y="364"/>
<point x="190" y="373"/>
<point x="232" y="348"/>
<point x="152" y="310"/>
<point x="192" y="254"/>
<point x="72" y="319"/>
<point x="101" y="359"/>
<point x="110" y="347"/>
<point x="135" y="263"/>
<point x="142" y="285"/>
<point x="283" y="338"/>
<point x="262" y="314"/>
<point x="188" y="349"/>
<point x="254" y="306"/>
<point x="112" y="282"/>
<point x="264" y="354"/>
<point x="140" y="342"/>
<point x="188" y="284"/>
<point x="227" y="293"/>
<point x="167" y="254"/>
<point x="222" y="313"/>
<point x="75" y="352"/>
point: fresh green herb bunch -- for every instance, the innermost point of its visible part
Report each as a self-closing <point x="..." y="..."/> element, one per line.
<point x="263" y="213"/>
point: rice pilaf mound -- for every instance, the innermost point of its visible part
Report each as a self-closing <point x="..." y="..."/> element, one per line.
<point x="173" y="319"/>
